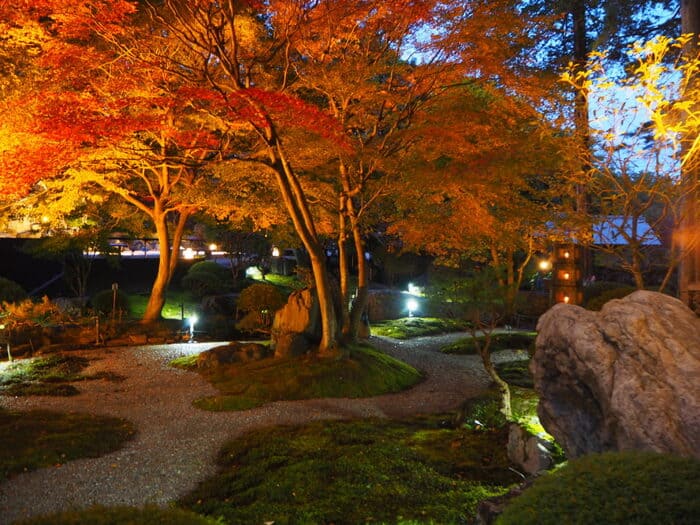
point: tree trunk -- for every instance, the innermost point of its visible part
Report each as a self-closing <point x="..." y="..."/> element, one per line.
<point x="344" y="269"/>
<point x="689" y="269"/>
<point x="298" y="209"/>
<point x="359" y="305"/>
<point x="581" y="122"/>
<point x="503" y="387"/>
<point x="156" y="300"/>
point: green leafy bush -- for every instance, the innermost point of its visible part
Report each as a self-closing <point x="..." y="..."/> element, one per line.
<point x="207" y="278"/>
<point x="613" y="488"/>
<point x="596" y="288"/>
<point x="102" y="302"/>
<point x="10" y="291"/>
<point x="597" y="302"/>
<point x="258" y="304"/>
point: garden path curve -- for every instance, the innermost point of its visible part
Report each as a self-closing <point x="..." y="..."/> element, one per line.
<point x="176" y="444"/>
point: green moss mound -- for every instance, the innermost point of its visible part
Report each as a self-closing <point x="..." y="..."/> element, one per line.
<point x="37" y="438"/>
<point x="643" y="488"/>
<point x="408" y="327"/>
<point x="122" y="516"/>
<point x="363" y="372"/>
<point x="48" y="376"/>
<point x="523" y="341"/>
<point x="355" y="472"/>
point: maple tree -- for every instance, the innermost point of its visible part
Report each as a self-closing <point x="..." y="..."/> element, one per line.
<point x="243" y="82"/>
<point x="635" y="174"/>
<point x="118" y="128"/>
<point x="353" y="66"/>
<point x="484" y="186"/>
<point x="37" y="35"/>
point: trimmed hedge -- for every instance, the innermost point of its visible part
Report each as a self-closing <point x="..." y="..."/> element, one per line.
<point x="103" y="301"/>
<point x="597" y="302"/>
<point x="644" y="488"/>
<point x="207" y="278"/>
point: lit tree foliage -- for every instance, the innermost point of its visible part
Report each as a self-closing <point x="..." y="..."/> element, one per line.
<point x="640" y="123"/>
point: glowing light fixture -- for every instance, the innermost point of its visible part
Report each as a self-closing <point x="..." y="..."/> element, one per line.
<point x="188" y="253"/>
<point x="253" y="273"/>
<point x="567" y="255"/>
<point x="566" y="299"/>
<point x="275" y="251"/>
<point x="545" y="265"/>
<point x="413" y="289"/>
<point x="192" y="320"/>
<point x="566" y="276"/>
<point x="412" y="306"/>
<point x="213" y="247"/>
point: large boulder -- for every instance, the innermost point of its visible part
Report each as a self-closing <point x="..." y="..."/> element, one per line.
<point x="297" y="325"/>
<point x="232" y="353"/>
<point x="627" y="377"/>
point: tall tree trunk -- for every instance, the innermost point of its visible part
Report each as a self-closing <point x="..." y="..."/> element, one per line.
<point x="156" y="300"/>
<point x="344" y="267"/>
<point x="359" y="305"/>
<point x="298" y="209"/>
<point x="581" y="122"/>
<point x="689" y="269"/>
<point x="167" y="259"/>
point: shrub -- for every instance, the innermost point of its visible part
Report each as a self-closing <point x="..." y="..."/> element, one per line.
<point x="102" y="302"/>
<point x="29" y="313"/>
<point x="597" y="288"/>
<point x="207" y="278"/>
<point x="10" y="291"/>
<point x="615" y="293"/>
<point x="612" y="488"/>
<point x="259" y="303"/>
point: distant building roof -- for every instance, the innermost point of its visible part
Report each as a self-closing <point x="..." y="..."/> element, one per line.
<point x="615" y="229"/>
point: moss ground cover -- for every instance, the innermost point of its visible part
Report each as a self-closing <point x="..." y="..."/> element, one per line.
<point x="408" y="327"/>
<point x="355" y="472"/>
<point x="176" y="303"/>
<point x="499" y="341"/>
<point x="35" y="439"/>
<point x="47" y="376"/>
<point x="363" y="372"/>
<point x="614" y="488"/>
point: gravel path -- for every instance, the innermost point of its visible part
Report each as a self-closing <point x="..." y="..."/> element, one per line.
<point x="176" y="444"/>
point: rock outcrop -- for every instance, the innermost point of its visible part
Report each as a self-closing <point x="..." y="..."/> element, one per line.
<point x="627" y="377"/>
<point x="297" y="325"/>
<point x="531" y="453"/>
<point x="233" y="353"/>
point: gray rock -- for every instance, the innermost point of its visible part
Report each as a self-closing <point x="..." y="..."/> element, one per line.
<point x="233" y="353"/>
<point x="627" y="377"/>
<point x="531" y="453"/>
